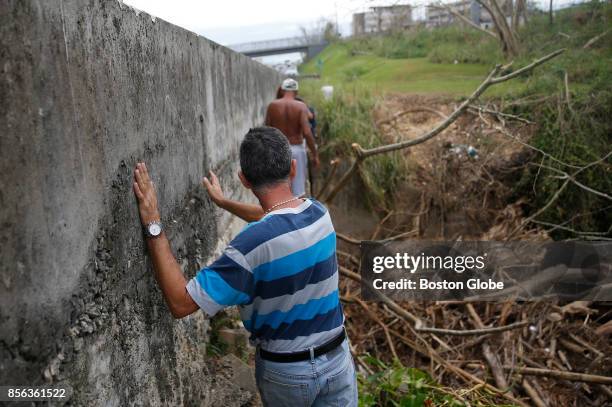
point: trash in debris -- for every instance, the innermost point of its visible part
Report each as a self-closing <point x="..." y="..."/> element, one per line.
<point x="459" y="149"/>
<point x="328" y="91"/>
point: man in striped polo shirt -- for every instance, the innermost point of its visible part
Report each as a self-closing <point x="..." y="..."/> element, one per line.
<point x="281" y="270"/>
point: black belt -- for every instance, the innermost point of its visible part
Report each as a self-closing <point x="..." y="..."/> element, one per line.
<point x="303" y="355"/>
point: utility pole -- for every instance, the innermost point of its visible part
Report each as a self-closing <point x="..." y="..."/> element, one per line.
<point x="336" y="11"/>
<point x="550" y="13"/>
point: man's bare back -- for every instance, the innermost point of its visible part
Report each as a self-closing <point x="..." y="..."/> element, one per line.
<point x="288" y="115"/>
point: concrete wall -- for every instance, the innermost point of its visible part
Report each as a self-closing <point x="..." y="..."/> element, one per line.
<point x="86" y="89"/>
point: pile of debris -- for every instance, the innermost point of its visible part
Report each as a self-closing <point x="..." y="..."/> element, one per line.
<point x="538" y="353"/>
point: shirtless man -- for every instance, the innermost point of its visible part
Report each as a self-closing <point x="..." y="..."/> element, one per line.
<point x="291" y="118"/>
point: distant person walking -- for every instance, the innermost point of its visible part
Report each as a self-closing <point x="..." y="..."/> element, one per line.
<point x="312" y="117"/>
<point x="291" y="117"/>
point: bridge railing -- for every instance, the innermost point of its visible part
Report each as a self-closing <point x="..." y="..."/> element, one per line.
<point x="257" y="46"/>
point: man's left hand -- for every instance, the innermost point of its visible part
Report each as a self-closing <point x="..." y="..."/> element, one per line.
<point x="145" y="192"/>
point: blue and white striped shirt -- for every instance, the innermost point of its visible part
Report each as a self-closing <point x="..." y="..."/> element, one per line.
<point x="282" y="272"/>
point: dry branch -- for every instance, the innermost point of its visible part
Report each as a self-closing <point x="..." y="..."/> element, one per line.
<point x="332" y="173"/>
<point x="348" y="239"/>
<point x="499" y="114"/>
<point x="491" y="358"/>
<point x="533" y="393"/>
<point x="471" y="332"/>
<point x="352" y="240"/>
<point x="596" y="38"/>
<point x="560" y="374"/>
<point x="412" y="110"/>
<point x="375" y="318"/>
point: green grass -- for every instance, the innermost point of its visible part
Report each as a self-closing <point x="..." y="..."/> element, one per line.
<point x="402" y="75"/>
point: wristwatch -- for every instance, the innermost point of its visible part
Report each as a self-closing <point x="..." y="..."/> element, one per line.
<point x="153" y="229"/>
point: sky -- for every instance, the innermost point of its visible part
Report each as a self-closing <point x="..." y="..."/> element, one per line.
<point x="229" y="22"/>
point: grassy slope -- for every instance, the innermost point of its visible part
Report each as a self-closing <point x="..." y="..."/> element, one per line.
<point x="421" y="61"/>
<point x="406" y="75"/>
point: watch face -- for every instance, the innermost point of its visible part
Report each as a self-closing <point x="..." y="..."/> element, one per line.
<point x="154" y="229"/>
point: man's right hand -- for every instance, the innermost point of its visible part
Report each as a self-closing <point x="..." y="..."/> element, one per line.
<point x="316" y="163"/>
<point x="213" y="187"/>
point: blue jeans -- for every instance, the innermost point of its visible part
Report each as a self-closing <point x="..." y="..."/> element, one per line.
<point x="327" y="380"/>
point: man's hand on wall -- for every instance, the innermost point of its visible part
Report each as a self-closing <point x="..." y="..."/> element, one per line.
<point x="145" y="192"/>
<point x="213" y="187"/>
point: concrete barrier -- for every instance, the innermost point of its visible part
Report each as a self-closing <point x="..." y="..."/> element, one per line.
<point x="87" y="89"/>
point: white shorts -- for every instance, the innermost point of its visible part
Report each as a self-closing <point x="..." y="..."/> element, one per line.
<point x="298" y="184"/>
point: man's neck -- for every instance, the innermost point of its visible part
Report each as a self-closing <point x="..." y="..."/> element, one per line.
<point x="274" y="195"/>
<point x="289" y="96"/>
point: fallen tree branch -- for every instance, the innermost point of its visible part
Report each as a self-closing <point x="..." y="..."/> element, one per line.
<point x="506" y="133"/>
<point x="352" y="240"/>
<point x="533" y="393"/>
<point x="500" y="114"/>
<point x="593" y="40"/>
<point x="375" y="318"/>
<point x="412" y="110"/>
<point x="470" y="332"/>
<point x="489" y="355"/>
<point x="560" y="374"/>
<point x="362" y="154"/>
<point x="567" y="91"/>
<point x="344" y="180"/>
<point x="348" y="239"/>
<point x="334" y="167"/>
<point x="374" y="235"/>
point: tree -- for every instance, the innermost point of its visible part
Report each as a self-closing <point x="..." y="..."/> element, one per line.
<point x="322" y="30"/>
<point x="505" y="32"/>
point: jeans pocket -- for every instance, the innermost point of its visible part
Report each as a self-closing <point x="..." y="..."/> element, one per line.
<point x="341" y="385"/>
<point x="274" y="392"/>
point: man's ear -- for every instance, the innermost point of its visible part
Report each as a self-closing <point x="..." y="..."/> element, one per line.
<point x="293" y="170"/>
<point x="244" y="181"/>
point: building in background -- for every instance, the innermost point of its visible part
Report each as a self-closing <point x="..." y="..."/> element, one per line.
<point x="382" y="19"/>
<point x="438" y="16"/>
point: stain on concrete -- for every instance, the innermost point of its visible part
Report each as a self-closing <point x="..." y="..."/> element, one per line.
<point x="86" y="90"/>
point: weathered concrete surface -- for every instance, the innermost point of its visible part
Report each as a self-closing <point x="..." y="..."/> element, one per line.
<point x="86" y="89"/>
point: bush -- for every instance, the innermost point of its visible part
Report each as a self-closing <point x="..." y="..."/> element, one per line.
<point x="484" y="52"/>
<point x="420" y="42"/>
<point x="397" y="385"/>
<point x="576" y="136"/>
<point x="347" y="119"/>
